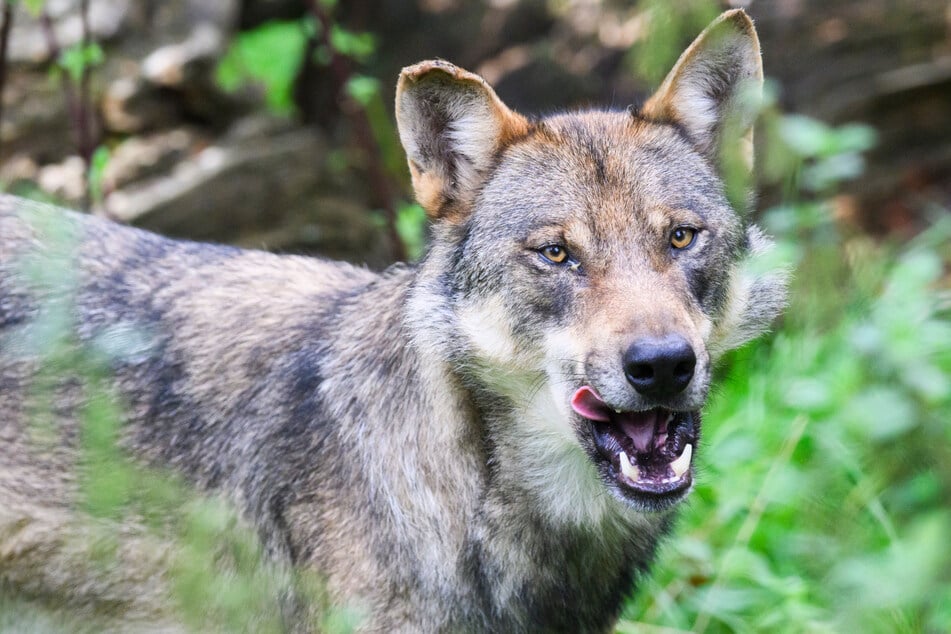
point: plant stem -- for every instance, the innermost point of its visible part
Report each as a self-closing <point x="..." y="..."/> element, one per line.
<point x="86" y="145"/>
<point x="5" y="27"/>
<point x="341" y="73"/>
<point x="77" y="106"/>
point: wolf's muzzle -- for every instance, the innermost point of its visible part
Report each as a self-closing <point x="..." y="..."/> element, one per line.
<point x="660" y="368"/>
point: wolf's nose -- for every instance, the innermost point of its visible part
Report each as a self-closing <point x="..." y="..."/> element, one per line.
<point x="660" y="368"/>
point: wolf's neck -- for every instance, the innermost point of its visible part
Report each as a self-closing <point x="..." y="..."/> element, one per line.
<point x="547" y="528"/>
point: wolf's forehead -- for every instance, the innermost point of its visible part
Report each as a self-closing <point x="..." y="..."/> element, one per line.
<point x="606" y="162"/>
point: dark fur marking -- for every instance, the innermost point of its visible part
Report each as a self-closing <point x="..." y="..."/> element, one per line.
<point x="700" y="284"/>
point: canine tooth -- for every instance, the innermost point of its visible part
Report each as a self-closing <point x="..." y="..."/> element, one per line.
<point x="617" y="411"/>
<point x="628" y="469"/>
<point x="681" y="464"/>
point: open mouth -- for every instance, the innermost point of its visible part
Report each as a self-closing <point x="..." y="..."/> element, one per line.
<point x="648" y="453"/>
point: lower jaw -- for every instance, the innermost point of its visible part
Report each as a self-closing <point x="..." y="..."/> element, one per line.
<point x="668" y="487"/>
<point x="652" y="497"/>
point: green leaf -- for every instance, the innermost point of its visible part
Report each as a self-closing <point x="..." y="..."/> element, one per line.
<point x="411" y="227"/>
<point x="97" y="169"/>
<point x="806" y="136"/>
<point x="35" y="7"/>
<point x="363" y="89"/>
<point x="77" y="59"/>
<point x="881" y="412"/>
<point x="359" y="46"/>
<point x="854" y="137"/>
<point x="270" y="56"/>
<point x="831" y="170"/>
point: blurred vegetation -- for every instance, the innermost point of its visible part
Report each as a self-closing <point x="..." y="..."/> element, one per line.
<point x="823" y="501"/>
<point x="271" y="56"/>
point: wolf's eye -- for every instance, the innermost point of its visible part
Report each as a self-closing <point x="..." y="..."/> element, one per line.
<point x="682" y="237"/>
<point x="554" y="253"/>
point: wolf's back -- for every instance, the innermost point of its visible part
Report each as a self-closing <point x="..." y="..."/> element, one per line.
<point x="215" y="354"/>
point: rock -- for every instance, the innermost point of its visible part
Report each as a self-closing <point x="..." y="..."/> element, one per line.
<point x="259" y="186"/>
<point x="175" y="65"/>
<point x="20" y="168"/>
<point x="34" y="117"/>
<point x="28" y="43"/>
<point x="176" y="19"/>
<point x="131" y="104"/>
<point x="224" y="187"/>
<point x="66" y="181"/>
<point x="332" y="226"/>
<point x="142" y="157"/>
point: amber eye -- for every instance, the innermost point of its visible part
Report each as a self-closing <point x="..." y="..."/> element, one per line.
<point x="554" y="253"/>
<point x="682" y="237"/>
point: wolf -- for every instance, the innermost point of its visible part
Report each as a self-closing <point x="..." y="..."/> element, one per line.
<point x="491" y="440"/>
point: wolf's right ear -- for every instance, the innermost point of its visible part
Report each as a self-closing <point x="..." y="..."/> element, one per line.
<point x="451" y="124"/>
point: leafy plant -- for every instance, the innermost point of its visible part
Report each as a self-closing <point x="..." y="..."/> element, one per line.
<point x="78" y="59"/>
<point x="270" y="55"/>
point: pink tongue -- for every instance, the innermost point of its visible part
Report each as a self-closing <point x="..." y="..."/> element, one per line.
<point x="638" y="426"/>
<point x="587" y="403"/>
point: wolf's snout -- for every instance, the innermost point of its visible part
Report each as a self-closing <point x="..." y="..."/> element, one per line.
<point x="660" y="368"/>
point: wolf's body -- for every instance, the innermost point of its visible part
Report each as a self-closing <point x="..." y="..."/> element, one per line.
<point x="435" y="440"/>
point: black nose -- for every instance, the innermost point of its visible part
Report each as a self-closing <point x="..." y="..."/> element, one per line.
<point x="660" y="368"/>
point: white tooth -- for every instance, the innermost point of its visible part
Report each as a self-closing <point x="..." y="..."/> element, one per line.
<point x="681" y="464"/>
<point x="617" y="411"/>
<point x="628" y="469"/>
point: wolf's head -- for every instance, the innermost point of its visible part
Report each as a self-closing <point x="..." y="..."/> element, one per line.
<point x="588" y="265"/>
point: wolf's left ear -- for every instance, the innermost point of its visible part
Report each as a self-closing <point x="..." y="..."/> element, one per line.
<point x="713" y="90"/>
<point x="451" y="124"/>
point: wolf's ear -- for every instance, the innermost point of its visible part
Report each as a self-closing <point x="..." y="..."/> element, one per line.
<point x="451" y="124"/>
<point x="713" y="90"/>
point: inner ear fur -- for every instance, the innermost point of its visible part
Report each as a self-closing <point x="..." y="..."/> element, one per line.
<point x="452" y="125"/>
<point x="714" y="89"/>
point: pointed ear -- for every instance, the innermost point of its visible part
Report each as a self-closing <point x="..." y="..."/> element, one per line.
<point x="714" y="89"/>
<point x="451" y="124"/>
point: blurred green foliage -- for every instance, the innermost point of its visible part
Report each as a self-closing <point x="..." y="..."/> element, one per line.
<point x="411" y="226"/>
<point x="824" y="480"/>
<point x="78" y="59"/>
<point x="271" y="55"/>
<point x="97" y="169"/>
